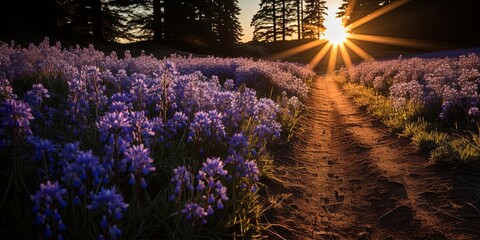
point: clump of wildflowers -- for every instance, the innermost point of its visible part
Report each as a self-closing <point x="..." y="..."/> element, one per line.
<point x="15" y="115"/>
<point x="182" y="179"/>
<point x="206" y="126"/>
<point x="35" y="96"/>
<point x="111" y="204"/>
<point x="139" y="164"/>
<point x="6" y="90"/>
<point x="85" y="173"/>
<point x="47" y="202"/>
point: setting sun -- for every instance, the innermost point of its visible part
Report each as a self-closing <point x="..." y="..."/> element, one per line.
<point x="335" y="31"/>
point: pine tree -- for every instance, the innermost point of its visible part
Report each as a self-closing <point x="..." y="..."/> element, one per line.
<point x="102" y="19"/>
<point x="228" y="30"/>
<point x="288" y="11"/>
<point x="275" y="17"/>
<point x="314" y="18"/>
<point x="264" y="22"/>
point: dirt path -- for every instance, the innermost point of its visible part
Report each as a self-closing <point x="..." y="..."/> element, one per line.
<point x="348" y="177"/>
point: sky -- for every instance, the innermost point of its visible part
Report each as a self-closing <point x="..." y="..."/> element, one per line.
<point x="250" y="7"/>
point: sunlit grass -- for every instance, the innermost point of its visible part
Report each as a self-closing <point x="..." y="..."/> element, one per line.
<point x="442" y="144"/>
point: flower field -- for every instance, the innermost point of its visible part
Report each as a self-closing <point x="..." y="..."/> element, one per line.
<point x="435" y="101"/>
<point x="108" y="147"/>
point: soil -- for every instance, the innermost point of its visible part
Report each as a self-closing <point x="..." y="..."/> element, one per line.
<point x="347" y="176"/>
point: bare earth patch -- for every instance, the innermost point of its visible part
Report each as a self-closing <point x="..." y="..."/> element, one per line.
<point x="348" y="177"/>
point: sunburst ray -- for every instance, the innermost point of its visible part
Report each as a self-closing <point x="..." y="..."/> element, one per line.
<point x="402" y="42"/>
<point x="298" y="49"/>
<point x="357" y="50"/>
<point x="316" y="60"/>
<point x="377" y="13"/>
<point x="345" y="56"/>
<point x="332" y="61"/>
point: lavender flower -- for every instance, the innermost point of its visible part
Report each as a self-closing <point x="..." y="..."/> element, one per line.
<point x="47" y="202"/>
<point x="207" y="125"/>
<point x="139" y="163"/>
<point x="213" y="167"/>
<point x="113" y="123"/>
<point x="177" y="122"/>
<point x="112" y="206"/>
<point x="142" y="128"/>
<point x="195" y="213"/>
<point x="180" y="178"/>
<point x="35" y="96"/>
<point x="6" y="90"/>
<point x="16" y="115"/>
<point x="85" y="172"/>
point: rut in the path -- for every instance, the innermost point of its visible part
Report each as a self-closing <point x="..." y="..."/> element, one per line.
<point x="348" y="177"/>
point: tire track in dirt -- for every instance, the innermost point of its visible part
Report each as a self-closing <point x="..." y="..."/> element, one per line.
<point x="348" y="177"/>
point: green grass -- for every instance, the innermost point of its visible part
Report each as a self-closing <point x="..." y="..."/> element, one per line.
<point x="444" y="145"/>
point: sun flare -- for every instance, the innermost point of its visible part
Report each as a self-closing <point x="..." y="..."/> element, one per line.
<point x="340" y="39"/>
<point x="335" y="31"/>
<point x="336" y="35"/>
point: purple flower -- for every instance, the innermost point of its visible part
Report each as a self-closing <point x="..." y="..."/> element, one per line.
<point x="112" y="206"/>
<point x="209" y="184"/>
<point x="141" y="126"/>
<point x="139" y="162"/>
<point x="35" y="96"/>
<point x="177" y="122"/>
<point x="250" y="170"/>
<point x="238" y="142"/>
<point x="6" y="90"/>
<point x="70" y="151"/>
<point x="86" y="170"/>
<point x="180" y="178"/>
<point x="113" y="123"/>
<point x="194" y="213"/>
<point x="207" y="125"/>
<point x="16" y="115"/>
<point x="47" y="202"/>
<point x="213" y="167"/>
<point x="44" y="149"/>
<point x="118" y="107"/>
<point x="473" y="112"/>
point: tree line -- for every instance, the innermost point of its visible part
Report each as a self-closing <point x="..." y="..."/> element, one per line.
<point x="286" y="19"/>
<point x="202" y="22"/>
<point x="216" y="23"/>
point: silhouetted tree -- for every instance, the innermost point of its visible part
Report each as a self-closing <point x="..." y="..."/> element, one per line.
<point x="299" y="5"/>
<point x="264" y="22"/>
<point x="314" y="18"/>
<point x="229" y="30"/>
<point x="102" y="19"/>
<point x="288" y="18"/>
<point x="276" y="17"/>
<point x="195" y="22"/>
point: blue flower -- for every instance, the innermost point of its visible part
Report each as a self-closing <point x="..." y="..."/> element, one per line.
<point x="213" y="167"/>
<point x="138" y="162"/>
<point x="16" y="115"/>
<point x="85" y="170"/>
<point x="35" y="96"/>
<point x="181" y="177"/>
<point x="207" y="125"/>
<point x="113" y="123"/>
<point x="195" y="213"/>
<point x="177" y="122"/>
<point x="112" y="206"/>
<point x="47" y="201"/>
